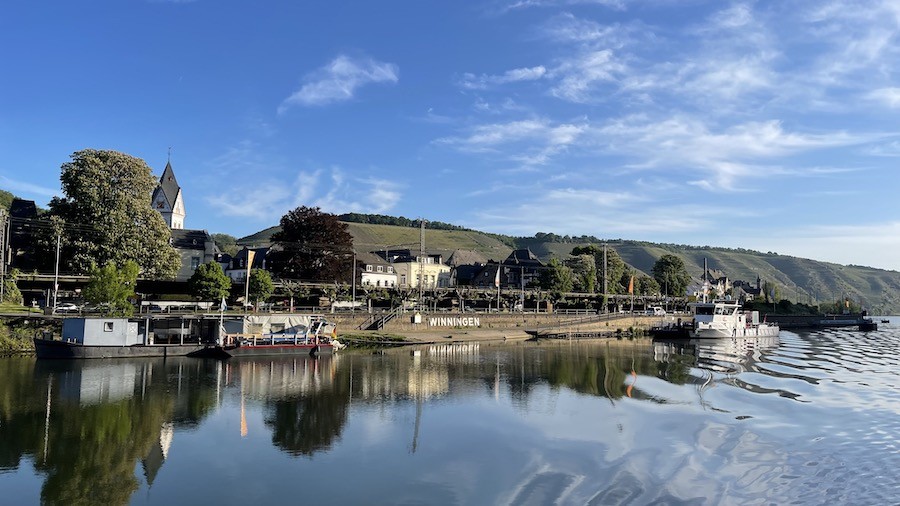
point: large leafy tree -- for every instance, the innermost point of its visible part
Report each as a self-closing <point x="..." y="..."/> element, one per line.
<point x="312" y="245"/>
<point x="111" y="287"/>
<point x="615" y="267"/>
<point x="584" y="272"/>
<point x="209" y="282"/>
<point x="108" y="217"/>
<point x="557" y="277"/>
<point x="669" y="271"/>
<point x="261" y="285"/>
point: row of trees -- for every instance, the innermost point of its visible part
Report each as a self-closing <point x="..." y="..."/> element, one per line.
<point x="584" y="272"/>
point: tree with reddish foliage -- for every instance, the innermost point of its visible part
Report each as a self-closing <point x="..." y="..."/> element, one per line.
<point x="312" y="246"/>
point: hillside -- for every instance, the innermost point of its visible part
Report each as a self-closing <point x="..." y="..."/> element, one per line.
<point x="798" y="278"/>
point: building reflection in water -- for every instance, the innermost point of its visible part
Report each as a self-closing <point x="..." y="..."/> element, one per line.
<point x="88" y="424"/>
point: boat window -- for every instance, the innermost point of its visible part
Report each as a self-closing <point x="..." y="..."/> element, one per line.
<point x="704" y="310"/>
<point x="277" y="328"/>
<point x="720" y="310"/>
<point x="107" y="326"/>
<point x="254" y="328"/>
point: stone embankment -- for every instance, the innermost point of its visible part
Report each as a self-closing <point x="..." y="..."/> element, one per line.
<point x="449" y="327"/>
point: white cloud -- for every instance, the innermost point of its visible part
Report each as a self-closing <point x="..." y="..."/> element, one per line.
<point x="471" y="81"/>
<point x="583" y="75"/>
<point x="525" y="4"/>
<point x="339" y="80"/>
<point x="267" y="200"/>
<point x="729" y="159"/>
<point x="887" y="96"/>
<point x="27" y="189"/>
<point x="530" y="142"/>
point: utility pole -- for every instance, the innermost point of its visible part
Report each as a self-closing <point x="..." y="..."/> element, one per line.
<point x="421" y="261"/>
<point x="4" y="237"/>
<point x="56" y="271"/>
<point x="605" y="301"/>
<point x="353" y="304"/>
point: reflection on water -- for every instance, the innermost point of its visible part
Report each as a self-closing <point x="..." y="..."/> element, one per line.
<point x="809" y="418"/>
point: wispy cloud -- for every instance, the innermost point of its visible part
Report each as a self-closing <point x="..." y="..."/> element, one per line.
<point x="526" y="4"/>
<point x="27" y="189"/>
<point x="339" y="81"/>
<point x="473" y="82"/>
<point x="717" y="159"/>
<point x="270" y="198"/>
<point x="532" y="141"/>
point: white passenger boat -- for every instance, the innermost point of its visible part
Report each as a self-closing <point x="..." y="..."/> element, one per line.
<point x="726" y="319"/>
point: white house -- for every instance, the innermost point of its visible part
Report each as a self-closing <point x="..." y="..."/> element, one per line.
<point x="374" y="271"/>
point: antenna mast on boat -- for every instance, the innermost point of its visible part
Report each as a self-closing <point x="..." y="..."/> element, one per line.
<point x="705" y="280"/>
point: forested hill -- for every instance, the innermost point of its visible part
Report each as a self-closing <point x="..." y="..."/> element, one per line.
<point x="797" y="278"/>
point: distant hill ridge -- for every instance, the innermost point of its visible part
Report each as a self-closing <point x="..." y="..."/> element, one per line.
<point x="799" y="279"/>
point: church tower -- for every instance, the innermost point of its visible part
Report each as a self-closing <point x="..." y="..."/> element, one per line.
<point x="167" y="199"/>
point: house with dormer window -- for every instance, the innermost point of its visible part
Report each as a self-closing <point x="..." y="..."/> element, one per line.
<point x="374" y="271"/>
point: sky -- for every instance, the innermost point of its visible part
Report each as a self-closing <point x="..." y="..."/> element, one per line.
<point x="763" y="125"/>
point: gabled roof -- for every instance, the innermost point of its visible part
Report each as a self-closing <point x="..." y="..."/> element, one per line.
<point x="365" y="258"/>
<point x="20" y="208"/>
<point x="466" y="257"/>
<point x="259" y="257"/>
<point x="523" y="258"/>
<point x="190" y="239"/>
<point x="169" y="184"/>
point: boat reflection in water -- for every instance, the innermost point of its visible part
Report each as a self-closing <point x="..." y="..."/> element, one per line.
<point x="729" y="356"/>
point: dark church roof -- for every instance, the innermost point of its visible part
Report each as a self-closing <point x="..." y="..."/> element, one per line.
<point x="523" y="258"/>
<point x="20" y="208"/>
<point x="190" y="239"/>
<point x="169" y="184"/>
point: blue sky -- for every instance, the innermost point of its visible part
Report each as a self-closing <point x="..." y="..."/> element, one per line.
<point x="762" y="125"/>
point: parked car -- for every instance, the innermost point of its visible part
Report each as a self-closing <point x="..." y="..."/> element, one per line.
<point x="67" y="307"/>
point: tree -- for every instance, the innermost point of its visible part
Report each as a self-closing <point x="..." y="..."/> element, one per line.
<point x="11" y="293"/>
<point x="261" y="285"/>
<point x="615" y="267"/>
<point x="312" y="245"/>
<point x="556" y="277"/>
<point x="108" y="215"/>
<point x="110" y="287"/>
<point x="670" y="273"/>
<point x="209" y="282"/>
<point x="647" y="286"/>
<point x="584" y="272"/>
<point x="226" y="243"/>
<point x="294" y="289"/>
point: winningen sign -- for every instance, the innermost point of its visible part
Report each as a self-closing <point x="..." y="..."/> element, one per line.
<point x="468" y="321"/>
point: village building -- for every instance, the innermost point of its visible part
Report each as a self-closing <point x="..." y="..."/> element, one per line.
<point x="236" y="268"/>
<point x="521" y="269"/>
<point x="374" y="271"/>
<point x="414" y="270"/>
<point x="465" y="266"/>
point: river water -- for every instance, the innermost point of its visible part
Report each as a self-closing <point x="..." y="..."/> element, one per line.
<point x="806" y="418"/>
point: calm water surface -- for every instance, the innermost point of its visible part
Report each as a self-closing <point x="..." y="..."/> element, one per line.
<point x="808" y="418"/>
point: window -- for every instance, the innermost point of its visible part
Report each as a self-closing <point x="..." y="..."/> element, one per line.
<point x="368" y="268"/>
<point x="277" y="328"/>
<point x="403" y="279"/>
<point x="378" y="283"/>
<point x="195" y="262"/>
<point x="380" y="268"/>
<point x="391" y="269"/>
<point x="107" y="326"/>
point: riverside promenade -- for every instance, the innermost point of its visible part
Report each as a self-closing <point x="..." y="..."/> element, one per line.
<point x="446" y="327"/>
